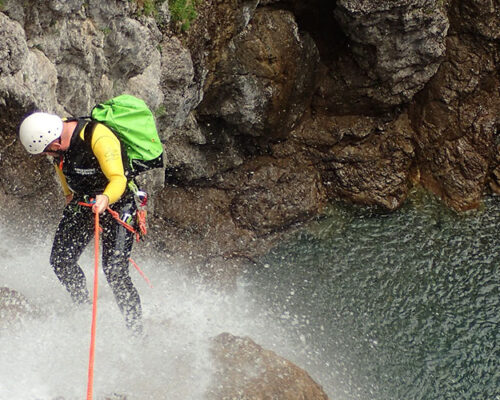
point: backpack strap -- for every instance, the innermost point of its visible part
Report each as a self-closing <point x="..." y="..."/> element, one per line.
<point x="89" y="131"/>
<point x="79" y="126"/>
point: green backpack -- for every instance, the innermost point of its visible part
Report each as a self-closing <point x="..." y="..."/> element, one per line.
<point x="134" y="124"/>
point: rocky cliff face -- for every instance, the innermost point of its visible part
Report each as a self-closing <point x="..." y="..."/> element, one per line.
<point x="267" y="109"/>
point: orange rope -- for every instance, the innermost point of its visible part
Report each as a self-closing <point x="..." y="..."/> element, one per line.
<point x="90" y="384"/>
<point x="128" y="227"/>
<point x="116" y="216"/>
<point x="140" y="272"/>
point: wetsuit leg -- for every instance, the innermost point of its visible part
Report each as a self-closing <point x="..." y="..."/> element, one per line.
<point x="117" y="246"/>
<point x="73" y="234"/>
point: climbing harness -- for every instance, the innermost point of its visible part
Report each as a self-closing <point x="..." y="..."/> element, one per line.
<point x="125" y="219"/>
<point x="127" y="226"/>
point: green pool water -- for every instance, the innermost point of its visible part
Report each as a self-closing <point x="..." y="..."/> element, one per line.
<point x="402" y="305"/>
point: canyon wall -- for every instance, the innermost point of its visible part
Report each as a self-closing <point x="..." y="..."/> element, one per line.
<point x="267" y="110"/>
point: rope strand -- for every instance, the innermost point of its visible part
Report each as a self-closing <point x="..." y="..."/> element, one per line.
<point x="90" y="383"/>
<point x="140" y="272"/>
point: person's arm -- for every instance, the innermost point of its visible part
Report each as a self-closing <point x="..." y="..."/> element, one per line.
<point x="106" y="148"/>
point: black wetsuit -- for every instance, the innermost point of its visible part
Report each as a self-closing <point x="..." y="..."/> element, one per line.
<point x="76" y="230"/>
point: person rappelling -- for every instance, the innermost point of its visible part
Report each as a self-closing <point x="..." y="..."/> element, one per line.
<point x="96" y="166"/>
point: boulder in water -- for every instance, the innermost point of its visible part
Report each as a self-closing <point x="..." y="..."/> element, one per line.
<point x="245" y="370"/>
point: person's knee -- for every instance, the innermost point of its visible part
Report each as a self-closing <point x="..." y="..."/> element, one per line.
<point x="120" y="283"/>
<point x="58" y="262"/>
<point x="59" y="256"/>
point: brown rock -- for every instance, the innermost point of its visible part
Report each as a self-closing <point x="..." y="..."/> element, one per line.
<point x="362" y="71"/>
<point x="275" y="194"/>
<point x="201" y="219"/>
<point x="244" y="370"/>
<point x="360" y="159"/>
<point x="207" y="37"/>
<point x="265" y="78"/>
<point x="479" y="16"/>
<point x="455" y="120"/>
<point x="14" y="306"/>
<point x="263" y="196"/>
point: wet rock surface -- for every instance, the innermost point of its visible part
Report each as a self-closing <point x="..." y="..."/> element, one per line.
<point x="398" y="45"/>
<point x="244" y="370"/>
<point x="265" y="79"/>
<point x="456" y="116"/>
<point x="267" y="110"/>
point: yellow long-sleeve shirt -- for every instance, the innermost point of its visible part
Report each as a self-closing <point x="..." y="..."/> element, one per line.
<point x="106" y="148"/>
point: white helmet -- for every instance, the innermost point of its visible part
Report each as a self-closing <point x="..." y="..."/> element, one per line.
<point x="38" y="130"/>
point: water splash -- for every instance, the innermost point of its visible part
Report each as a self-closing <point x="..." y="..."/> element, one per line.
<point x="47" y="357"/>
<point x="374" y="306"/>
